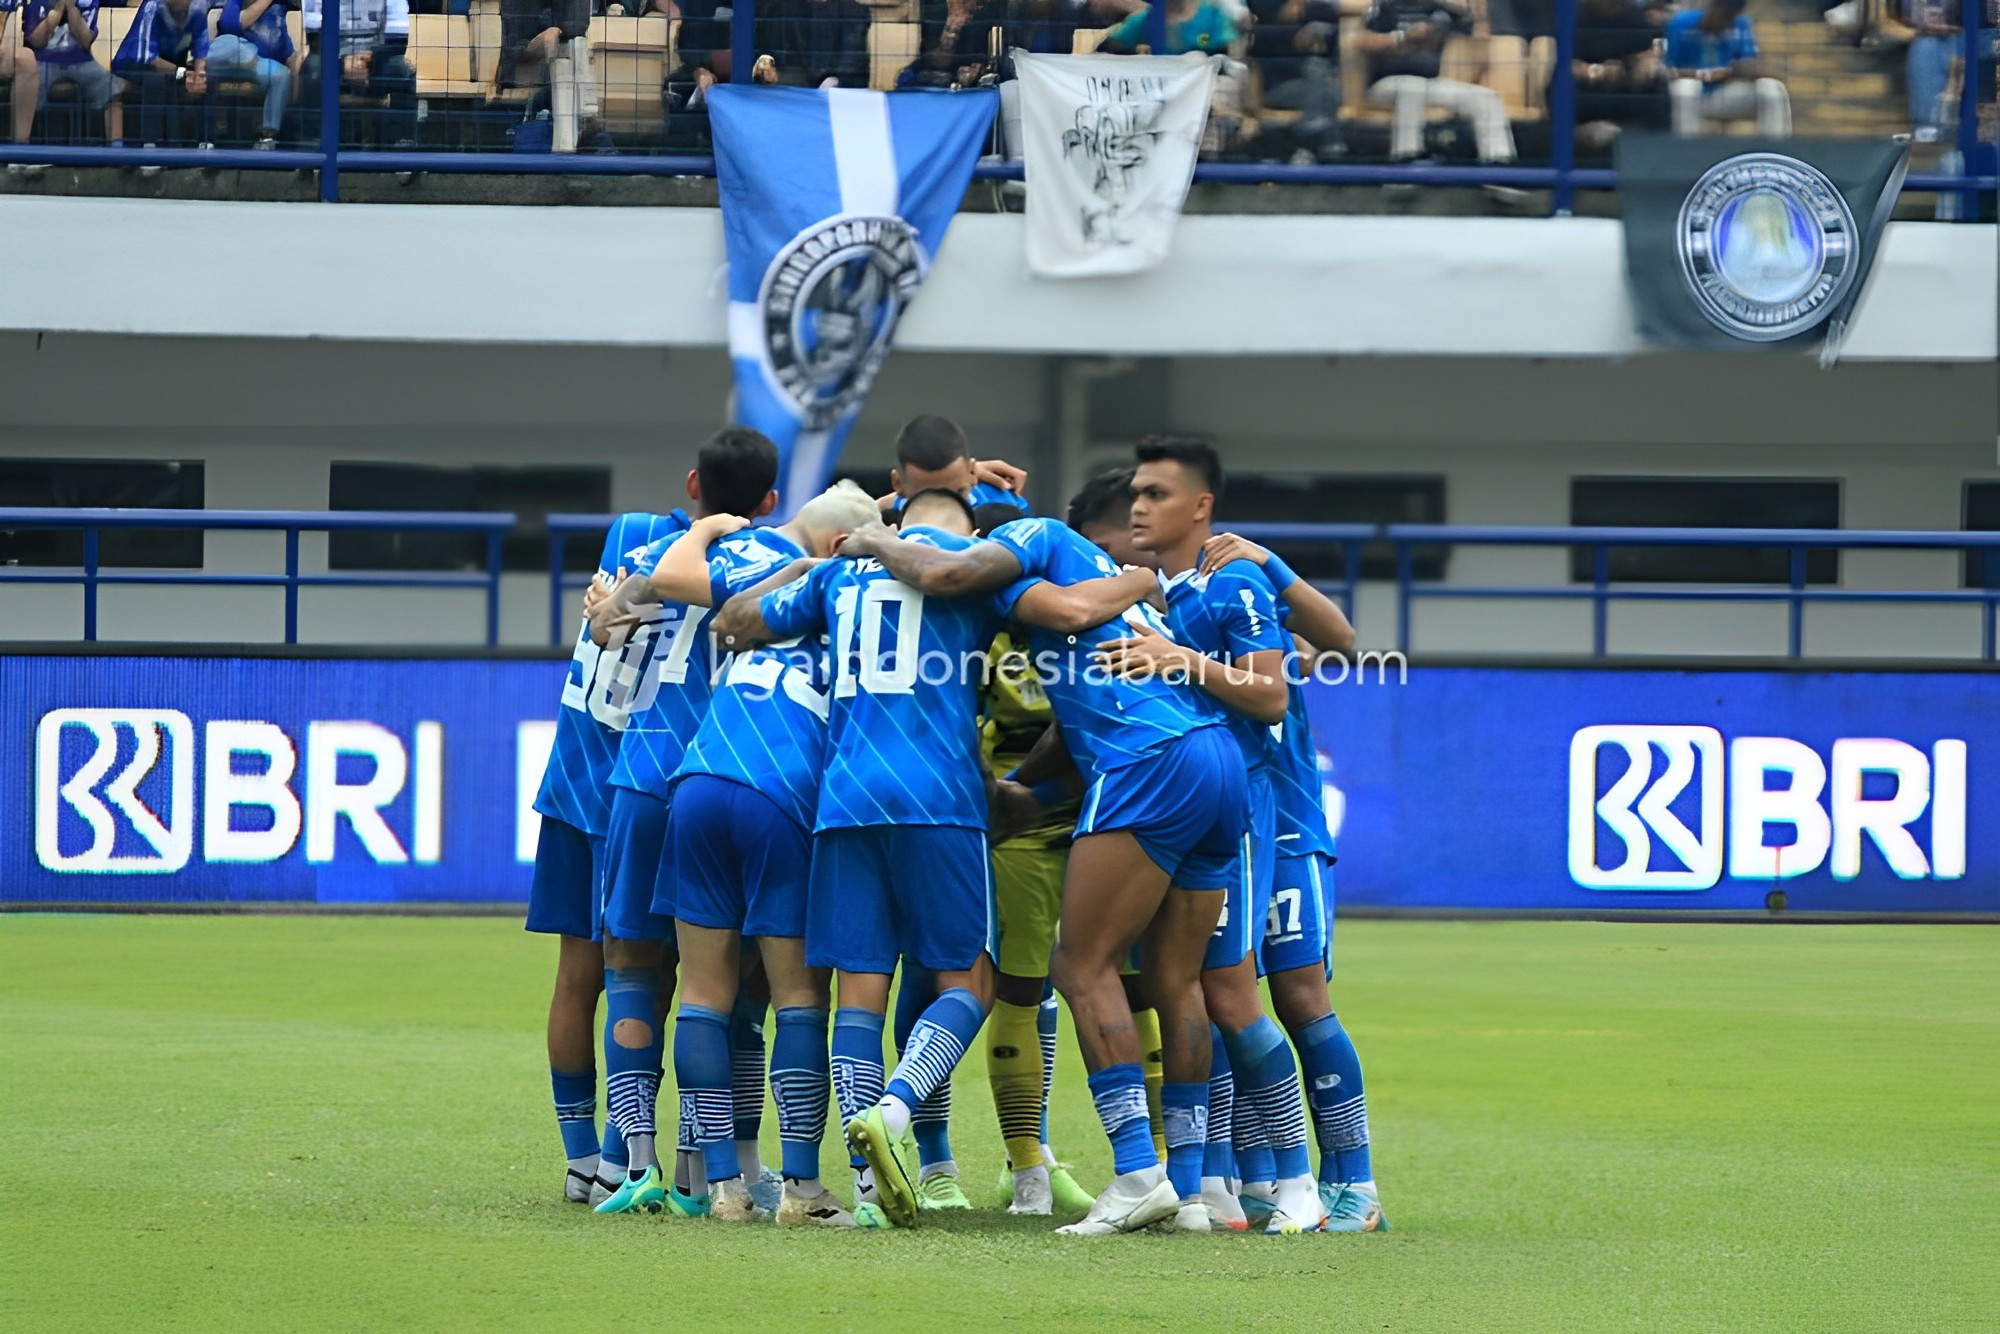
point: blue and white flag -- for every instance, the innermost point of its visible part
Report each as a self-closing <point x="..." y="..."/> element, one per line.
<point x="834" y="203"/>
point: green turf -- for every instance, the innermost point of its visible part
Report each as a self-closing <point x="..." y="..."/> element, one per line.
<point x="288" y="1123"/>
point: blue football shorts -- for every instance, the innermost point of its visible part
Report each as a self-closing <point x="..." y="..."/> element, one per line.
<point x="1246" y="901"/>
<point x="1186" y="803"/>
<point x="635" y="844"/>
<point x="883" y="892"/>
<point x="562" y="900"/>
<point x="739" y="862"/>
<point x="1298" y="931"/>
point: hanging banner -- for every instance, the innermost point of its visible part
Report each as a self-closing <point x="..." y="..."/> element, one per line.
<point x="834" y="203"/>
<point x="1109" y="149"/>
<point x="1752" y="243"/>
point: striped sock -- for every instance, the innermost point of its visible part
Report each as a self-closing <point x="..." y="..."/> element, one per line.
<point x="948" y="1027"/>
<point x="1146" y="1027"/>
<point x="1219" y="1158"/>
<point x="746" y="1075"/>
<point x="1120" y="1094"/>
<point x="1047" y="1021"/>
<point x="702" y="1069"/>
<point x="1267" y="1081"/>
<point x="856" y="1064"/>
<point x="1339" y="1109"/>
<point x="1185" y="1109"/>
<point x="1017" y="1070"/>
<point x="633" y="1046"/>
<point x="800" y="1088"/>
<point x="576" y="1115"/>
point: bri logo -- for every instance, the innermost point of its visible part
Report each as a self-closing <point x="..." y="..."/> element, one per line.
<point x="1673" y="791"/>
<point x="115" y="791"/>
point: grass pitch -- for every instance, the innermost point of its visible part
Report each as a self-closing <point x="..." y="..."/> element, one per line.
<point x="291" y="1123"/>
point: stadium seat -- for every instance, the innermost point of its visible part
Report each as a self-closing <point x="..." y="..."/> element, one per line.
<point x="632" y="57"/>
<point x="441" y="50"/>
<point x="1087" y="40"/>
<point x="891" y="48"/>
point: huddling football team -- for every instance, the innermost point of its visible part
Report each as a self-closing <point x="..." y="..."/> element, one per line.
<point x="1005" y="757"/>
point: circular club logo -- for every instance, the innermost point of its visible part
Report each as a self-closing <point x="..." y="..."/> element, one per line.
<point x="1767" y="245"/>
<point x="830" y="302"/>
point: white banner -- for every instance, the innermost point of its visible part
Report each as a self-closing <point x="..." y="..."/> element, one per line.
<point x="1109" y="144"/>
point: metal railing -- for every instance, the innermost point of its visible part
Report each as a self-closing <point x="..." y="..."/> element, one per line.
<point x="1561" y="176"/>
<point x="91" y="575"/>
<point x="1602" y="592"/>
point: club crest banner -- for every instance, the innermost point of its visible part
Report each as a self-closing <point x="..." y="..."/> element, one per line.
<point x="1109" y="144"/>
<point x="1749" y="243"/>
<point x="834" y="203"/>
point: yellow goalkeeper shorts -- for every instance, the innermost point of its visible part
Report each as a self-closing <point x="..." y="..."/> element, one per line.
<point x="1027" y="886"/>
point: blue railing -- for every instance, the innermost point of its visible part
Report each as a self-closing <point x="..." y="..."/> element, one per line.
<point x="91" y="575"/>
<point x="1562" y="177"/>
<point x="1601" y="591"/>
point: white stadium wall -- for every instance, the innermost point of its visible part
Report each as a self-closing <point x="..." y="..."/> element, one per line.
<point x="1496" y="353"/>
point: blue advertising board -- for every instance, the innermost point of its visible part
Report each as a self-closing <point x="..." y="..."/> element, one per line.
<point x="133" y="780"/>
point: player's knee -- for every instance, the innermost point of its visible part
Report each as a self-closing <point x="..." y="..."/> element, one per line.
<point x="1231" y="1008"/>
<point x="1299" y="996"/>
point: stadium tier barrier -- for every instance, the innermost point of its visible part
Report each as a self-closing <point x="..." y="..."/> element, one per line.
<point x="621" y="79"/>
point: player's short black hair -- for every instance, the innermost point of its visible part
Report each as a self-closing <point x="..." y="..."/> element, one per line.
<point x="1108" y="491"/>
<point x="938" y="495"/>
<point x="987" y="517"/>
<point x="1197" y="455"/>
<point x="931" y="442"/>
<point x="737" y="468"/>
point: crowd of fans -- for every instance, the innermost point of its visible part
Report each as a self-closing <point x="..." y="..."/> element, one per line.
<point x="1650" y="64"/>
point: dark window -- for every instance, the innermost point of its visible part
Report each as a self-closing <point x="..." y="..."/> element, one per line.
<point x="530" y="493"/>
<point x="1704" y="502"/>
<point x="1982" y="515"/>
<point x="1269" y="497"/>
<point x="174" y="484"/>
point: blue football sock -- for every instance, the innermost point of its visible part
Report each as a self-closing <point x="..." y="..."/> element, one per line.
<point x="576" y="1111"/>
<point x="1120" y="1094"/>
<point x="1219" y="1158"/>
<point x="948" y="1028"/>
<point x="1184" y="1108"/>
<point x="856" y="1064"/>
<point x="746" y="1066"/>
<point x="799" y="1086"/>
<point x="611" y="1156"/>
<point x="1268" y="1080"/>
<point x="633" y="1046"/>
<point x="913" y="997"/>
<point x="701" y="1068"/>
<point x="1046" y="1021"/>
<point x="1339" y="1111"/>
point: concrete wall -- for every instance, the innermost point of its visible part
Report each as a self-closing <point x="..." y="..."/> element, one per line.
<point x="269" y="415"/>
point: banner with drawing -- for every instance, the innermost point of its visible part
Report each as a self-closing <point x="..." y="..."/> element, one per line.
<point x="1109" y="144"/>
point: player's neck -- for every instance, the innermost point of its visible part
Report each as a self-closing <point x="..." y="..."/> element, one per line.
<point x="1185" y="554"/>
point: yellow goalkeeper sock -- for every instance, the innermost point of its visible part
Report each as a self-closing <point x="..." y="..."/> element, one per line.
<point x="1014" y="1068"/>
<point x="1146" y="1026"/>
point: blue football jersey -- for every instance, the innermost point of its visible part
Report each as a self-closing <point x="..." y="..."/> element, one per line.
<point x="1226" y="615"/>
<point x="1296" y="783"/>
<point x="766" y="724"/>
<point x="903" y="735"/>
<point x="666" y="692"/>
<point x="594" y="713"/>
<point x="1107" y="721"/>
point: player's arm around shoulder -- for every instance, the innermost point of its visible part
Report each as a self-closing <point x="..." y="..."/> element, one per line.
<point x="682" y="574"/>
<point x="983" y="567"/>
<point x="742" y="625"/>
<point x="1087" y="605"/>
<point x="1315" y="617"/>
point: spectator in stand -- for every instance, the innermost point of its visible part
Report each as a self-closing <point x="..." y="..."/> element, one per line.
<point x="959" y="36"/>
<point x="1296" y="43"/>
<point x="1619" y="78"/>
<point x="61" y="34"/>
<point x="165" y="57"/>
<point x="372" y="50"/>
<point x="17" y="65"/>
<point x="813" y="43"/>
<point x="253" y="44"/>
<point x="1192" y="25"/>
<point x="1934" y="49"/>
<point x="1404" y="41"/>
<point x="1712" y="68"/>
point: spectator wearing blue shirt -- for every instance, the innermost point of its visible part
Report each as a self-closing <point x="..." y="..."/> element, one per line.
<point x="254" y="45"/>
<point x="165" y="57"/>
<point x="1712" y="72"/>
<point x="1932" y="53"/>
<point x="1192" y="25"/>
<point x="61" y="33"/>
<point x="18" y="67"/>
<point x="372" y="50"/>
